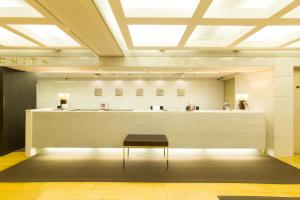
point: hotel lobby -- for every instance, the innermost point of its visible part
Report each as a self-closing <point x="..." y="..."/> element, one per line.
<point x="150" y="99"/>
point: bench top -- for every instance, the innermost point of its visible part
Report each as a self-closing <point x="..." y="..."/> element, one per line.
<point x="145" y="140"/>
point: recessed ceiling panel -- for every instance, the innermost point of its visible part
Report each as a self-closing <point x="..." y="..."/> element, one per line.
<point x="216" y="36"/>
<point x="295" y="13"/>
<point x="294" y="45"/>
<point x="245" y="8"/>
<point x="8" y="38"/>
<point x="17" y="8"/>
<point x="272" y="36"/>
<point x="156" y="35"/>
<point x="49" y="35"/>
<point x="159" y="8"/>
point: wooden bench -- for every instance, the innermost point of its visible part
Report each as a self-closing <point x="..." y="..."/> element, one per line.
<point x="146" y="141"/>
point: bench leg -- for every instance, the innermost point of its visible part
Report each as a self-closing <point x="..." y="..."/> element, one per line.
<point x="167" y="158"/>
<point x="164" y="152"/>
<point x="123" y="157"/>
<point x="128" y="152"/>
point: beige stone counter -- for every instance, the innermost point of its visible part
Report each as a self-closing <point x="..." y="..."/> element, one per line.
<point x="101" y="129"/>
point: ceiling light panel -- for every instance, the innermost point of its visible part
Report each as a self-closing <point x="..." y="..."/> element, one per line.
<point x="294" y="45"/>
<point x="17" y="8"/>
<point x="159" y="8"/>
<point x="216" y="36"/>
<point x="245" y="8"/>
<point x="8" y="38"/>
<point x="295" y="13"/>
<point x="156" y="35"/>
<point x="49" y="35"/>
<point x="272" y="36"/>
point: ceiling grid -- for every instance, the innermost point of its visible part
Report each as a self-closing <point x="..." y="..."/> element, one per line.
<point x="208" y="18"/>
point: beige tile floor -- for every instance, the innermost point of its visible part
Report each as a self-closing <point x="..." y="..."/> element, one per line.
<point x="136" y="191"/>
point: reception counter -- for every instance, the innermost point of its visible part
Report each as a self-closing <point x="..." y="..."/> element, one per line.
<point x="106" y="129"/>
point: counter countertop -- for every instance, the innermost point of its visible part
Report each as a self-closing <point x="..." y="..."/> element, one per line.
<point x="143" y="111"/>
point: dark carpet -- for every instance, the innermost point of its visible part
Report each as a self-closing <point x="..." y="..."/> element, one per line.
<point x="253" y="169"/>
<point x="256" y="198"/>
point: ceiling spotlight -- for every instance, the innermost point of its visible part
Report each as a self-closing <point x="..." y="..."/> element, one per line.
<point x="96" y="75"/>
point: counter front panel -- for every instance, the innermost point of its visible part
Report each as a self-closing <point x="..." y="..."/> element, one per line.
<point x="211" y="129"/>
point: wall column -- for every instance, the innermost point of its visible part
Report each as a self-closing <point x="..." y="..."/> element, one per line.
<point x="283" y="137"/>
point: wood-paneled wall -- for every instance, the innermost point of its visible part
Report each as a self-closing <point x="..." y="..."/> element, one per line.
<point x="18" y="90"/>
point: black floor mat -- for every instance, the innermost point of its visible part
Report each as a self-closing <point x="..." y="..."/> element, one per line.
<point x="254" y="169"/>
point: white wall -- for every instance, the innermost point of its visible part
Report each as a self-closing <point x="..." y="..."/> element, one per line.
<point x="279" y="108"/>
<point x="260" y="87"/>
<point x="283" y="138"/>
<point x="207" y="93"/>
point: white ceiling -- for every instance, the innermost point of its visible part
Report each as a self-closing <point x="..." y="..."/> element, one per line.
<point x="142" y="27"/>
<point x="18" y="8"/>
<point x="150" y="25"/>
<point x="203" y="24"/>
<point x="23" y="24"/>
